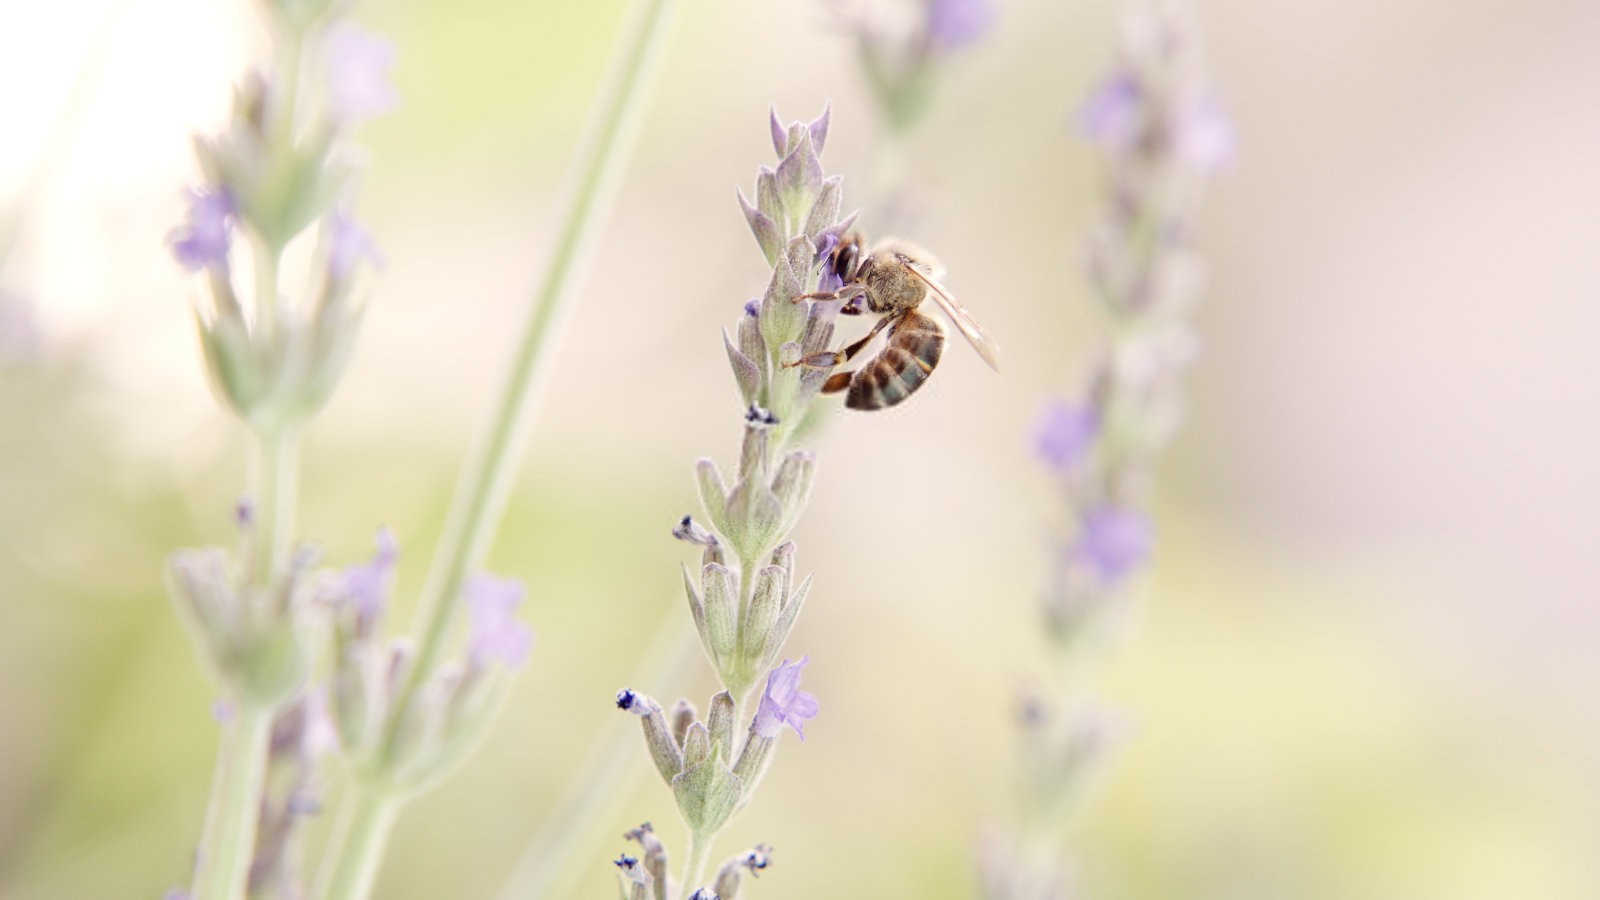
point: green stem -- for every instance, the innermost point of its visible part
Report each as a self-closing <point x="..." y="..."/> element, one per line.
<point x="277" y="489"/>
<point x="356" y="847"/>
<point x="694" y="868"/>
<point x="480" y="495"/>
<point x="229" y="841"/>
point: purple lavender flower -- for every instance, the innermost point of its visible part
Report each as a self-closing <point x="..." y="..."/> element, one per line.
<point x="358" y="74"/>
<point x="1065" y="434"/>
<point x="953" y="24"/>
<point x="1113" y="113"/>
<point x="366" y="586"/>
<point x="202" y="241"/>
<point x="348" y="244"/>
<point x="1113" y="540"/>
<point x="496" y="633"/>
<point x="783" y="703"/>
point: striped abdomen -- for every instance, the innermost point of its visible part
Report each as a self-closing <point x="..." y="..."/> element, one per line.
<point x="915" y="344"/>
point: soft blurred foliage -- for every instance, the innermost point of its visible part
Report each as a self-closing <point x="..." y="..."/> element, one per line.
<point x="1364" y="666"/>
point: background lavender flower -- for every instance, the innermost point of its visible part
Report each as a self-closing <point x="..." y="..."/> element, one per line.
<point x="953" y="24"/>
<point x="1065" y="434"/>
<point x="202" y="241"/>
<point x="358" y="74"/>
<point x="497" y="636"/>
<point x="1146" y="118"/>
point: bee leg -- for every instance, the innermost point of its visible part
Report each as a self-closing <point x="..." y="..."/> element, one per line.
<point x="836" y="382"/>
<point x="848" y="292"/>
<point x="835" y="357"/>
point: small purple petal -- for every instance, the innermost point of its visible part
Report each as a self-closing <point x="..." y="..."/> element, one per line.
<point x="348" y="244"/>
<point x="1065" y="433"/>
<point x="496" y="633"/>
<point x="202" y="241"/>
<point x="953" y="24"/>
<point x="358" y="74"/>
<point x="752" y="307"/>
<point x="1114" y="541"/>
<point x="826" y="241"/>
<point x="1111" y="116"/>
<point x="783" y="703"/>
<point x="366" y="586"/>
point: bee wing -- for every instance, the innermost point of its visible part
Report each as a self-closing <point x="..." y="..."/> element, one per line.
<point x="958" y="314"/>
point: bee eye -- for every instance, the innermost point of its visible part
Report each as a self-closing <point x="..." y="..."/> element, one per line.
<point x="844" y="261"/>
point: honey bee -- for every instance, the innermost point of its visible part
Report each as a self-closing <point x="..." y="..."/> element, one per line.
<point x="894" y="278"/>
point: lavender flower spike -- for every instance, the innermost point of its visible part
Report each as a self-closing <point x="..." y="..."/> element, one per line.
<point x="783" y="703"/>
<point x="202" y="241"/>
<point x="496" y="633"/>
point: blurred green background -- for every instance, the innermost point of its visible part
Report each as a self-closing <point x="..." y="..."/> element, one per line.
<point x="1363" y="666"/>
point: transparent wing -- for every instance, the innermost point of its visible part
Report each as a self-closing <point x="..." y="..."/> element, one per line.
<point x="958" y="314"/>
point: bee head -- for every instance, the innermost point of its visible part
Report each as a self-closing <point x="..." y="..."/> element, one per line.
<point x="848" y="256"/>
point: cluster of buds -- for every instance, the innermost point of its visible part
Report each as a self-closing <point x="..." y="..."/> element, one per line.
<point x="712" y="775"/>
<point x="255" y="637"/>
<point x="746" y="600"/>
<point x="1159" y="127"/>
<point x="644" y="877"/>
<point x="280" y="166"/>
<point x="450" y="711"/>
<point x="900" y="46"/>
<point x="797" y="222"/>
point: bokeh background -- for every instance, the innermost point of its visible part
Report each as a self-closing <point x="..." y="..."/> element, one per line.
<point x="1364" y="665"/>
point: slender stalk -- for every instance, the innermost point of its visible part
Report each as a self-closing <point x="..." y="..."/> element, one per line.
<point x="229" y="840"/>
<point x="277" y="483"/>
<point x="228" y="843"/>
<point x="480" y="495"/>
<point x="361" y="833"/>
<point x="694" y="868"/>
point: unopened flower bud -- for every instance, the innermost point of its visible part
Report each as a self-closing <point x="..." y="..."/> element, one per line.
<point x="720" y="724"/>
<point x="721" y="611"/>
<point x="696" y="745"/>
<point x="683" y="715"/>
<point x="664" y="750"/>
<point x="763" y="612"/>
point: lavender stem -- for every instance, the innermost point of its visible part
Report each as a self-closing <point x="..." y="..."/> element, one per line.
<point x="694" y="868"/>
<point x="230" y="831"/>
<point x="480" y="495"/>
<point x="365" y="819"/>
